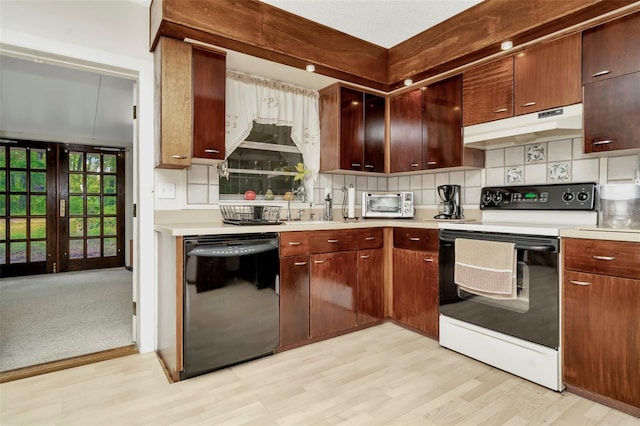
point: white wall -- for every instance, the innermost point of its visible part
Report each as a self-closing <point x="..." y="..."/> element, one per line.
<point x="115" y="35"/>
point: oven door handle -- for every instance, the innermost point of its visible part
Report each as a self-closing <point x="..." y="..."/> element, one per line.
<point x="532" y="247"/>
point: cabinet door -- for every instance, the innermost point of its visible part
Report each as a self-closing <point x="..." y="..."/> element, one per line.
<point x="406" y="131"/>
<point x="548" y="76"/>
<point x="487" y="92"/>
<point x="294" y="300"/>
<point x="209" y="76"/>
<point x="442" y="124"/>
<point x="332" y="293"/>
<point x="611" y="50"/>
<point x="612" y="114"/>
<point x="373" y="133"/>
<point x="370" y="287"/>
<point x="415" y="290"/>
<point x="173" y="124"/>
<point x="601" y="335"/>
<point x="351" y="129"/>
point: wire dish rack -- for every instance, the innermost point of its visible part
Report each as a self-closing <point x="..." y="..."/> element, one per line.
<point x="250" y="215"/>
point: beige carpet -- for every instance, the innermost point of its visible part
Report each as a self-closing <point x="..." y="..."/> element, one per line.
<point x="45" y="318"/>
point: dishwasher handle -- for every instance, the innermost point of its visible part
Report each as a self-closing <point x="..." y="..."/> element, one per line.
<point x="234" y="248"/>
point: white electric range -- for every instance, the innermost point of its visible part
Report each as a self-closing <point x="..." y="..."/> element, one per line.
<point x="520" y="335"/>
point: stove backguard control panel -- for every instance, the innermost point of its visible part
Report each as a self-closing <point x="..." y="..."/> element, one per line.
<point x="567" y="196"/>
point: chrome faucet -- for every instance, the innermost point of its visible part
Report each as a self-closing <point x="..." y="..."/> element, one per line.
<point x="299" y="214"/>
<point x="288" y="209"/>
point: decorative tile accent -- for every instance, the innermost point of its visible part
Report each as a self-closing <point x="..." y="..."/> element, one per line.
<point x="514" y="175"/>
<point x="536" y="153"/>
<point x="559" y="172"/>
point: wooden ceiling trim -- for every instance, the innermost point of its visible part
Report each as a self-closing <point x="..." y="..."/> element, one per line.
<point x="267" y="32"/>
<point x="483" y="27"/>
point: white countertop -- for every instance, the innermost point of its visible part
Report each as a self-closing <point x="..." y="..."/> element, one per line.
<point x="216" y="227"/>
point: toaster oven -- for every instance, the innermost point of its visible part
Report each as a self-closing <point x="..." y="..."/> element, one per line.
<point x="387" y="205"/>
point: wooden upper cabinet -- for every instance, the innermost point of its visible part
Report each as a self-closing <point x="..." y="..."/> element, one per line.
<point x="548" y="75"/>
<point x="209" y="75"/>
<point x="442" y="124"/>
<point x="374" y="132"/>
<point x="426" y="129"/>
<point x="174" y="108"/>
<point x="352" y="130"/>
<point x="487" y="92"/>
<point x="611" y="50"/>
<point x="405" y="129"/>
<point x="612" y="114"/>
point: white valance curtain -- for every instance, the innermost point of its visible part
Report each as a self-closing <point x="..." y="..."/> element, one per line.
<point x="250" y="98"/>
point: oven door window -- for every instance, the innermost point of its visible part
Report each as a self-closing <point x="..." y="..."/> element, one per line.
<point x="384" y="204"/>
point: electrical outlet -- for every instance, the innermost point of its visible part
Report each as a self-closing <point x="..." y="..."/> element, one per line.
<point x="166" y="190"/>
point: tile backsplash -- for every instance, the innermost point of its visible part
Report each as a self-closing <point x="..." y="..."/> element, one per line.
<point x="535" y="163"/>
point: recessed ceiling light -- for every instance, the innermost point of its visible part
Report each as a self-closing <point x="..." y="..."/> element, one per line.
<point x="310" y="68"/>
<point x="408" y="82"/>
<point x="506" y="45"/>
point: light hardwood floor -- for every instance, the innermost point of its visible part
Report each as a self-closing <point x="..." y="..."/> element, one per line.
<point x="384" y="375"/>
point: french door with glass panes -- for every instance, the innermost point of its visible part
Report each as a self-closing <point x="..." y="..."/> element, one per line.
<point x="61" y="208"/>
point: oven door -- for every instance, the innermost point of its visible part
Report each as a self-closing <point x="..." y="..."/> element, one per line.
<point x="533" y="315"/>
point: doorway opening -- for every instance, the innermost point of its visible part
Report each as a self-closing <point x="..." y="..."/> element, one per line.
<point x="65" y="236"/>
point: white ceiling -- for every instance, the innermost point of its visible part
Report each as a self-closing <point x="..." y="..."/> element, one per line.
<point x="382" y="22"/>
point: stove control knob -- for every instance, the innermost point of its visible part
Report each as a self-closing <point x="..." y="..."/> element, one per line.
<point x="583" y="196"/>
<point x="567" y="196"/>
<point x="497" y="198"/>
<point x="486" y="198"/>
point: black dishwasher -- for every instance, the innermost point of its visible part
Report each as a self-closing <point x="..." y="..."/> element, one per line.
<point x="231" y="306"/>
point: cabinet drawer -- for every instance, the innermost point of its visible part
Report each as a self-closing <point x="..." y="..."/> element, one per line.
<point x="415" y="239"/>
<point x="620" y="259"/>
<point x="294" y="243"/>
<point x="330" y="241"/>
<point x="369" y="238"/>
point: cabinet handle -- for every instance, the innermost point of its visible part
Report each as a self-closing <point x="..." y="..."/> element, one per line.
<point x="497" y="111"/>
<point x="428" y="259"/>
<point x="368" y="166"/>
<point x="528" y="104"/>
<point x="179" y="157"/>
<point x="294" y="243"/>
<point x="319" y="261"/>
<point x="369" y="238"/>
<point x="579" y="282"/>
<point x="300" y="263"/>
<point x="333" y="241"/>
<point x="599" y="73"/>
<point x="365" y="256"/>
<point x="212" y="151"/>
<point x="431" y="163"/>
<point x="355" y="164"/>
<point x="414" y="238"/>
<point x="603" y="142"/>
<point x="604" y="257"/>
<point x="414" y="165"/>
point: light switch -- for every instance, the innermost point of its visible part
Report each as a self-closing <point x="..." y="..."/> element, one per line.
<point x="166" y="190"/>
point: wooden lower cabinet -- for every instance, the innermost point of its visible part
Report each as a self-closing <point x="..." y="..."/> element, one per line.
<point x="601" y="336"/>
<point x="370" y="287"/>
<point x="294" y="300"/>
<point x="415" y="289"/>
<point x="332" y="293"/>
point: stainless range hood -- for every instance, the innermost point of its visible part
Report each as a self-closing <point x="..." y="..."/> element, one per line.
<point x="546" y="125"/>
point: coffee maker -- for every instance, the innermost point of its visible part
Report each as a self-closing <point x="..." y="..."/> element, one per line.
<point x="449" y="208"/>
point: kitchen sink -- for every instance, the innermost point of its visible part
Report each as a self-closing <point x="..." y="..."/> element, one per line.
<point x="308" y="222"/>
